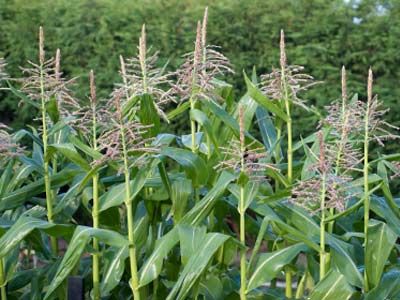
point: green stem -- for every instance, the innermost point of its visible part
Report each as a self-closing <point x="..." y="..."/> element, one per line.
<point x="3" y="281"/>
<point x="331" y="224"/>
<point x="54" y="171"/>
<point x="366" y="195"/>
<point x="289" y="128"/>
<point x="47" y="183"/>
<point x="290" y="145"/>
<point x="288" y="286"/>
<point x="128" y="203"/>
<point x="290" y="151"/>
<point x="301" y="287"/>
<point x="193" y="126"/>
<point x="132" y="254"/>
<point x="277" y="149"/>
<point x="194" y="148"/>
<point x="243" y="271"/>
<point x="95" y="216"/>
<point x="144" y="78"/>
<point x="288" y="289"/>
<point x="322" y="253"/>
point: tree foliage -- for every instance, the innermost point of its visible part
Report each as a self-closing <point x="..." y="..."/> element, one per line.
<point x="322" y="35"/>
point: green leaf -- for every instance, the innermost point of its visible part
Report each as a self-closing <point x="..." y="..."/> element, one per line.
<point x="23" y="97"/>
<point x="261" y="99"/>
<point x="304" y="141"/>
<point x="388" y="288"/>
<point x="332" y="287"/>
<point x="259" y="240"/>
<point x="193" y="164"/>
<point x="84" y="148"/>
<point x="149" y="115"/>
<point x="186" y="140"/>
<point x="181" y="190"/>
<point x="201" y="118"/>
<point x="69" y="151"/>
<point x="116" y="195"/>
<point x="269" y="264"/>
<point x="37" y="152"/>
<point x="299" y="218"/>
<point x="381" y="240"/>
<point x="24" y="194"/>
<point x="311" y="159"/>
<point x="70" y="201"/>
<point x="268" y="132"/>
<point x="80" y="239"/>
<point x="229" y="121"/>
<point x="196" y="265"/>
<point x="179" y="110"/>
<point x="22" y="133"/>
<point x="294" y="233"/>
<point x="191" y="240"/>
<point x="389" y="199"/>
<point x="242" y="179"/>
<point x="21" y="279"/>
<point x="201" y="210"/>
<point x="130" y="105"/>
<point x="22" y="173"/>
<point x="113" y="268"/>
<point x="211" y="287"/>
<point x="380" y="207"/>
<point x="250" y="193"/>
<point x="382" y="172"/>
<point x="164" y="177"/>
<point x="342" y="256"/>
<point x="342" y="253"/>
<point x="372" y="178"/>
<point x="249" y="110"/>
<point x="152" y="267"/>
<point x="6" y="177"/>
<point x="25" y="225"/>
<point x="52" y="110"/>
<point x="114" y="257"/>
<point x="59" y="132"/>
<point x="163" y="139"/>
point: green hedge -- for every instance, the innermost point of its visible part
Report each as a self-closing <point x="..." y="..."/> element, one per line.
<point x="321" y="35"/>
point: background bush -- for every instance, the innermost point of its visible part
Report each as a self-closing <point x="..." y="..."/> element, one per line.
<point x="320" y="34"/>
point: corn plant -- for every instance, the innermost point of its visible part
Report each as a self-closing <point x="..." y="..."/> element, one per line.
<point x="238" y="208"/>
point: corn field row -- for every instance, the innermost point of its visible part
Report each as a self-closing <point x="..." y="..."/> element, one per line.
<point x="236" y="208"/>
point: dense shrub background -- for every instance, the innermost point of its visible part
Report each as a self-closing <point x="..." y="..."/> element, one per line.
<point x="321" y="35"/>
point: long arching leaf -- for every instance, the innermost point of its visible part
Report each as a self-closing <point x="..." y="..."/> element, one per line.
<point x="80" y="239"/>
<point x="269" y="264"/>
